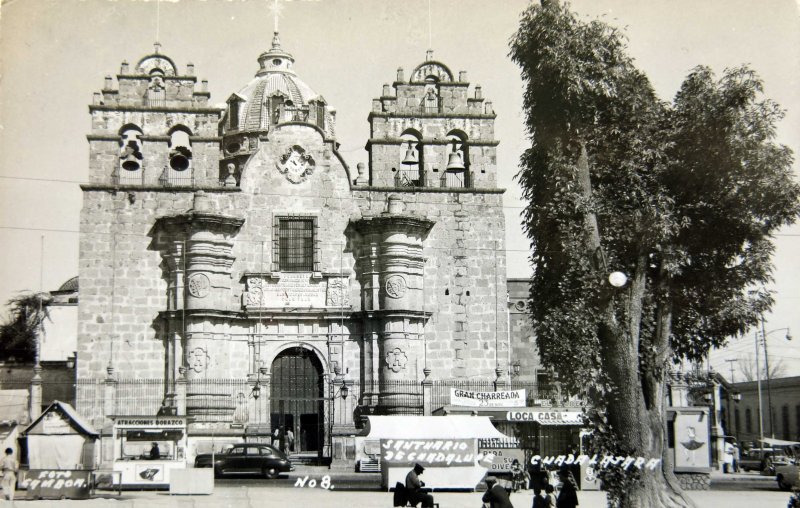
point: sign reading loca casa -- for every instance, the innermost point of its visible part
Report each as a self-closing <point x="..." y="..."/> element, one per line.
<point x="546" y="417"/>
<point x="509" y="398"/>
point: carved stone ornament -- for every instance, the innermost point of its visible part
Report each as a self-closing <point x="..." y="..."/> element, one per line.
<point x="396" y="286"/>
<point x="396" y="359"/>
<point x="296" y="165"/>
<point x="199" y="285"/>
<point x="338" y="294"/>
<point x="255" y="291"/>
<point x="197" y="359"/>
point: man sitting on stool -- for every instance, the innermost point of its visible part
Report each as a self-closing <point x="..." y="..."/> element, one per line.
<point x="414" y="488"/>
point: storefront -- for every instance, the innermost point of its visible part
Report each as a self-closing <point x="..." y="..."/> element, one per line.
<point x="148" y="448"/>
<point x="545" y="428"/>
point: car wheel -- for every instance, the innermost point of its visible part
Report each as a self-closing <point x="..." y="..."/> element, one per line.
<point x="270" y="473"/>
<point x="782" y="484"/>
<point x="217" y="472"/>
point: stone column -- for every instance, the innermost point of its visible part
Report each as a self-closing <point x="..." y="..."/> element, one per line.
<point x="200" y="259"/>
<point x="427" y="393"/>
<point x="109" y="394"/>
<point x="180" y="392"/>
<point x="391" y="269"/>
<point x="342" y="429"/>
<point x="35" y="408"/>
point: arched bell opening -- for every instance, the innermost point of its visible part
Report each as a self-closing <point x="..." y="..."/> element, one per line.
<point x="130" y="156"/>
<point x="457" y="161"/>
<point x="410" y="172"/>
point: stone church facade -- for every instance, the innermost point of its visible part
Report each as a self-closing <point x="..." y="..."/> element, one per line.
<point x="223" y="250"/>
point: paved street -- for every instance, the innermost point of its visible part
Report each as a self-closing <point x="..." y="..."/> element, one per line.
<point x="728" y="491"/>
<point x="266" y="495"/>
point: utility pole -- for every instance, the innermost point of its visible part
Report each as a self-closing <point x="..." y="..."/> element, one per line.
<point x="731" y="361"/>
<point x="769" y="390"/>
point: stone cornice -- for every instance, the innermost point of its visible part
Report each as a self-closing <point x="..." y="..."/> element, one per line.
<point x="430" y="141"/>
<point x="153" y="109"/>
<point x="203" y="219"/>
<point x="116" y="137"/>
<point x="434" y="190"/>
<point x="388" y="221"/>
<point x="105" y="187"/>
<point x="417" y="114"/>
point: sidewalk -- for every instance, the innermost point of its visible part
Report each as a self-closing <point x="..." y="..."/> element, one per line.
<point x="269" y="497"/>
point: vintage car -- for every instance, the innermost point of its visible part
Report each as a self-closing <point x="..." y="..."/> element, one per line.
<point x="763" y="460"/>
<point x="787" y="476"/>
<point x="247" y="458"/>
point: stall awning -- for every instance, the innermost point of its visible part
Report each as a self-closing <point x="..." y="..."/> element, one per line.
<point x="74" y="419"/>
<point x="431" y="427"/>
<point x="779" y="442"/>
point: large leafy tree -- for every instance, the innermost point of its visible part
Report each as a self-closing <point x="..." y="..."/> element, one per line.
<point x="20" y="333"/>
<point x="683" y="198"/>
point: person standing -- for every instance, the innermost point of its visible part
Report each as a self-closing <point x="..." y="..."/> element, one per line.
<point x="8" y="466"/>
<point x="736" y="457"/>
<point x="414" y="486"/>
<point x="539" y="499"/>
<point x="277" y="437"/>
<point x="495" y="496"/>
<point x="727" y="464"/>
<point x="568" y="497"/>
<point x="289" y="440"/>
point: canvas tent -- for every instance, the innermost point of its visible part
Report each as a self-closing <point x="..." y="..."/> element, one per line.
<point x="60" y="438"/>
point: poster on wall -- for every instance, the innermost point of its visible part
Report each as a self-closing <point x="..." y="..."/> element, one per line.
<point x="508" y="398"/>
<point x="499" y="460"/>
<point x="692" y="451"/>
<point x="150" y="473"/>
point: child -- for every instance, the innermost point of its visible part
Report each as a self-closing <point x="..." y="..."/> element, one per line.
<point x="550" y="497"/>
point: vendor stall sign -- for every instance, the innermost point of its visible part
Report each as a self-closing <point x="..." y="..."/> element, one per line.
<point x="56" y="484"/>
<point x="546" y="417"/>
<point x="428" y="452"/>
<point x="144" y="422"/>
<point x="510" y="398"/>
<point x="499" y="460"/>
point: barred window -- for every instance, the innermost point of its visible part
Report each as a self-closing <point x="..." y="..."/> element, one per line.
<point x="296" y="245"/>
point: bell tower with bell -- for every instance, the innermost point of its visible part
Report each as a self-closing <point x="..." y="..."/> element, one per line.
<point x="432" y="130"/>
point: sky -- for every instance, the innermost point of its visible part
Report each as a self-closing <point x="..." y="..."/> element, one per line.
<point x="55" y="53"/>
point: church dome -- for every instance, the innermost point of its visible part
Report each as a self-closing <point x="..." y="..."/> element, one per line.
<point x="276" y="95"/>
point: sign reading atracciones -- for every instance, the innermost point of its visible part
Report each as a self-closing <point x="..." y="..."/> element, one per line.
<point x="428" y="452"/>
<point x="511" y="398"/>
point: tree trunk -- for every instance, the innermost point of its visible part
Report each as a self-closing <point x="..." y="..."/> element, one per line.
<point x="635" y="409"/>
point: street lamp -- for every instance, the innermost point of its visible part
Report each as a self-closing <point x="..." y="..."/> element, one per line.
<point x="764" y="335"/>
<point x="343" y="391"/>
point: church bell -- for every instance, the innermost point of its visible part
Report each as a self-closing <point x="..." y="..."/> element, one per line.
<point x="454" y="162"/>
<point x="179" y="158"/>
<point x="130" y="163"/>
<point x="410" y="159"/>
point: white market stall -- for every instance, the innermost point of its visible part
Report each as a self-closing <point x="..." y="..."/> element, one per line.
<point x="134" y="440"/>
<point x="447" y="446"/>
<point x="61" y="452"/>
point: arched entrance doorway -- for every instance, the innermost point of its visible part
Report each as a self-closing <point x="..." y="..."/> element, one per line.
<point x="296" y="398"/>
